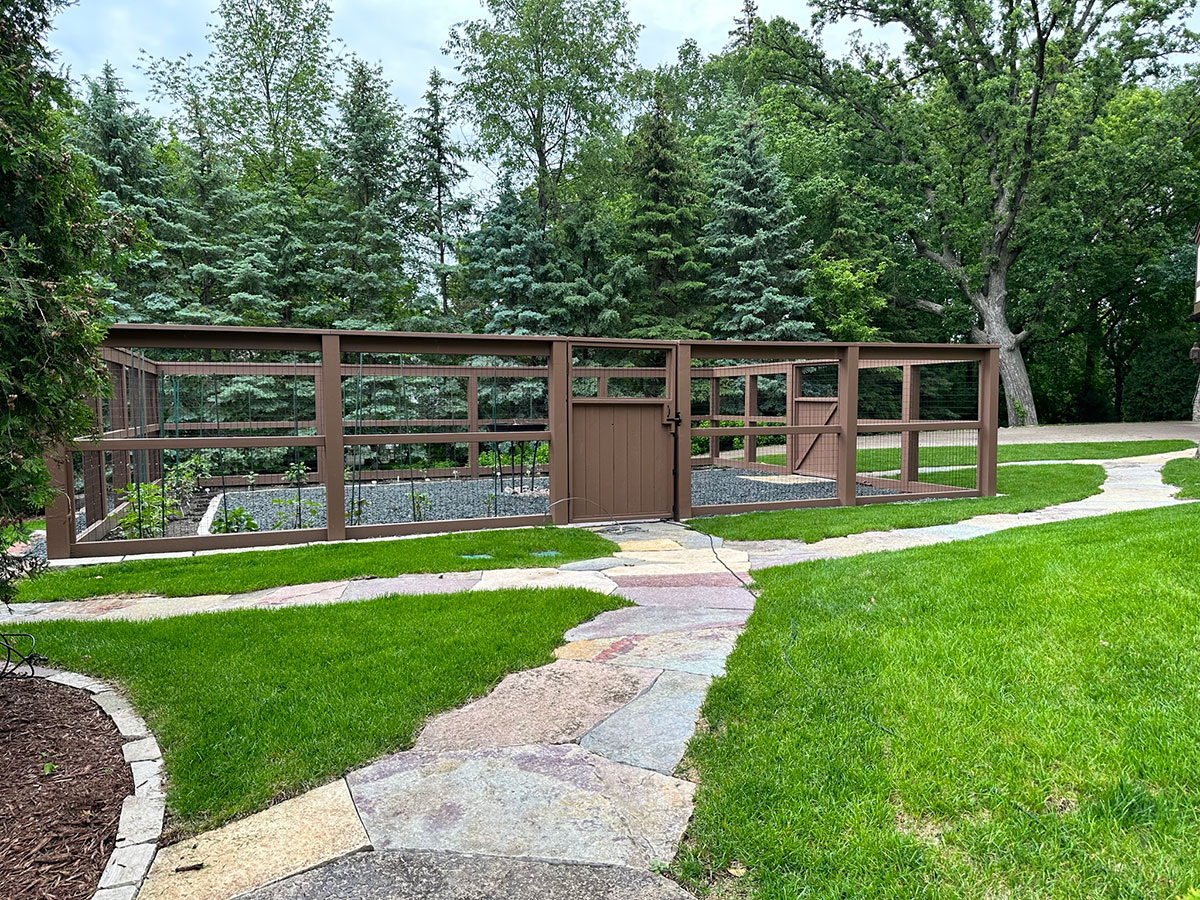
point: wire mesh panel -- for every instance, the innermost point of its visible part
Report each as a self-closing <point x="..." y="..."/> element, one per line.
<point x="917" y="427"/>
<point x="183" y="426"/>
<point x="462" y="438"/>
<point x="763" y="432"/>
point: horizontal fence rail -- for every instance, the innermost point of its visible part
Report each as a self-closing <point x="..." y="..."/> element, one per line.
<point x="222" y="437"/>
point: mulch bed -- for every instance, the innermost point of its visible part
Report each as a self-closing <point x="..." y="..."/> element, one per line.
<point x="62" y="781"/>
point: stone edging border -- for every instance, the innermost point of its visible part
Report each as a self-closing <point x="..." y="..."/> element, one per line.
<point x="142" y="811"/>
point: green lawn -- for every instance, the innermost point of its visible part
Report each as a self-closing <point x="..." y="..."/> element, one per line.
<point x="1014" y="717"/>
<point x="228" y="573"/>
<point x="1024" y="488"/>
<point x="882" y="459"/>
<point x="251" y="706"/>
<point x="1186" y="474"/>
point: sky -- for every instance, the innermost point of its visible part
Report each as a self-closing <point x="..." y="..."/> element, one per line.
<point x="405" y="37"/>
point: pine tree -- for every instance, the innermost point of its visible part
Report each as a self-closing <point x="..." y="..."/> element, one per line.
<point x="750" y="241"/>
<point x="221" y="266"/>
<point x="434" y="173"/>
<point x="509" y="264"/>
<point x="664" y="230"/>
<point x="118" y="139"/>
<point x="742" y="34"/>
<point x="361" y="273"/>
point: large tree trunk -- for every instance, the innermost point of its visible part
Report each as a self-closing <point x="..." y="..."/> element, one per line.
<point x="1196" y="409"/>
<point x="995" y="330"/>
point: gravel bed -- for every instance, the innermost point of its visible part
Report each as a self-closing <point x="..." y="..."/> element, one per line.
<point x="387" y="503"/>
<point x="722" y="484"/>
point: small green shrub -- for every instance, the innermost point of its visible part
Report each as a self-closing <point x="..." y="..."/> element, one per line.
<point x="183" y="479"/>
<point x="233" y="521"/>
<point x="487" y="458"/>
<point x="150" y="508"/>
<point x="292" y="514"/>
<point x="295" y="475"/>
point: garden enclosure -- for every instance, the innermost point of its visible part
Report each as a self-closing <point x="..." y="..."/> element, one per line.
<point x="217" y="437"/>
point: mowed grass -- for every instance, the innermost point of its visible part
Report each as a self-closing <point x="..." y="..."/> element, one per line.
<point x="1015" y="716"/>
<point x="880" y="459"/>
<point x="230" y="573"/>
<point x="1020" y="489"/>
<point x="251" y="706"/>
<point x="1185" y="473"/>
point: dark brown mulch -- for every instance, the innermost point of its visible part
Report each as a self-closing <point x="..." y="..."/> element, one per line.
<point x="62" y="780"/>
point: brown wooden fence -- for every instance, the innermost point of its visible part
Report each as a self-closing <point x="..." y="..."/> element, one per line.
<point x="305" y="435"/>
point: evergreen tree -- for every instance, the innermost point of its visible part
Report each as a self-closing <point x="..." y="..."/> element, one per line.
<point x="742" y="34"/>
<point x="362" y="260"/>
<point x="664" y="228"/>
<point x="434" y="174"/>
<point x="750" y="241"/>
<point x="509" y="263"/>
<point x="118" y="139"/>
<point x="218" y="256"/>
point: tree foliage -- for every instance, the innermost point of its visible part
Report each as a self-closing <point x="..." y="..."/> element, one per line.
<point x="51" y="320"/>
<point x="540" y="77"/>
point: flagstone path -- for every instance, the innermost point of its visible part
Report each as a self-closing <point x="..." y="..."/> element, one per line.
<point x="561" y="782"/>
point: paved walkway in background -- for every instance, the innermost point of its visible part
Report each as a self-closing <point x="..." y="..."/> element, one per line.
<point x="562" y="781"/>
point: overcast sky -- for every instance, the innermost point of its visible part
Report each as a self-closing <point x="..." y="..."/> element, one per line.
<point x="406" y="37"/>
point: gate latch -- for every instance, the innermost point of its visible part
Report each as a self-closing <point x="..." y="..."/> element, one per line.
<point x="676" y="420"/>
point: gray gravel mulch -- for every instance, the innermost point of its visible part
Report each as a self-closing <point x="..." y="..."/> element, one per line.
<point x="385" y="503"/>
<point x="722" y="484"/>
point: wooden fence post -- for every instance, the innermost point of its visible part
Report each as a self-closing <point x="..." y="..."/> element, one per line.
<point x="473" y="424"/>
<point x="989" y="422"/>
<point x="60" y="514"/>
<point x="910" y="411"/>
<point x="559" y="395"/>
<point x="335" y="459"/>
<point x="847" y="467"/>
<point x="683" y="432"/>
<point x="750" y="450"/>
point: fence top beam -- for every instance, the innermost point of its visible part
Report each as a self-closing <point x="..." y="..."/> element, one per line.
<point x="234" y="337"/>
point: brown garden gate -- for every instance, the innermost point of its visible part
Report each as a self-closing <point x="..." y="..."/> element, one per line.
<point x="221" y="437"/>
<point x="622" y="455"/>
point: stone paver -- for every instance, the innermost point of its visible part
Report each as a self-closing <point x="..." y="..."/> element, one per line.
<point x="645" y="544"/>
<point x="701" y="652"/>
<point x="544" y="801"/>
<point x="701" y="596"/>
<point x="427" y="875"/>
<point x="644" y="620"/>
<point x="721" y="577"/>
<point x="368" y="588"/>
<point x="295" y="835"/>
<point x="653" y="730"/>
<point x="499" y="579"/>
<point x="554" y="704"/>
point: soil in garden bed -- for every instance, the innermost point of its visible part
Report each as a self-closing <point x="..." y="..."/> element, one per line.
<point x="62" y="782"/>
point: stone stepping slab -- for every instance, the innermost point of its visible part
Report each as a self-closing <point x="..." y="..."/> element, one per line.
<point x="556" y="802"/>
<point x="644" y="620"/>
<point x="369" y="588"/>
<point x="430" y="875"/>
<point x="701" y="652"/>
<point x="499" y="579"/>
<point x="555" y="704"/>
<point x="293" y="836"/>
<point x="699" y="597"/>
<point x="641" y="578"/>
<point x="652" y="732"/>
